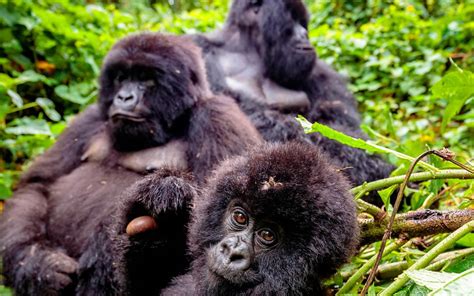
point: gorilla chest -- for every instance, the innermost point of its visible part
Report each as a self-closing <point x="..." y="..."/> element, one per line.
<point x="171" y="155"/>
<point x="244" y="73"/>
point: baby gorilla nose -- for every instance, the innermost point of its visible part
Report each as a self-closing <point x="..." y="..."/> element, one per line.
<point x="235" y="253"/>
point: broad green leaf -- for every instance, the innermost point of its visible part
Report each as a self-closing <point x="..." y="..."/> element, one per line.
<point x="48" y="107"/>
<point x="430" y="279"/>
<point x="31" y="76"/>
<point x="467" y="240"/>
<point x="461" y="264"/>
<point x="16" y="98"/>
<point x="456" y="87"/>
<point x="79" y="93"/>
<point x="355" y="142"/>
<point x="28" y="126"/>
<point x="386" y="193"/>
<point x="412" y="289"/>
<point x="462" y="284"/>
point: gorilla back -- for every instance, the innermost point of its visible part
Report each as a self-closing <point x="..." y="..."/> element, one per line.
<point x="64" y="228"/>
<point x="263" y="58"/>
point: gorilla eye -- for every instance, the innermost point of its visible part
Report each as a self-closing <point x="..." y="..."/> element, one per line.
<point x="239" y="217"/>
<point x="266" y="236"/>
<point x="256" y="2"/>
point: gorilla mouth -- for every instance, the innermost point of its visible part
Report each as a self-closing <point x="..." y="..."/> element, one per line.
<point x="304" y="47"/>
<point x="122" y="115"/>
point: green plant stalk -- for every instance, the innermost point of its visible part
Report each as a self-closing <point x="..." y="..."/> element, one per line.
<point x="416" y="177"/>
<point x="355" y="278"/>
<point x="444" y="258"/>
<point x="428" y="257"/>
<point x="365" y="207"/>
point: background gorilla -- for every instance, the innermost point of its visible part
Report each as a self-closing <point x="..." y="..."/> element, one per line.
<point x="155" y="110"/>
<point x="271" y="223"/>
<point x="263" y="58"/>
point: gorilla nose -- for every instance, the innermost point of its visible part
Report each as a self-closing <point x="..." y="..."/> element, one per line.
<point x="236" y="253"/>
<point x="126" y="100"/>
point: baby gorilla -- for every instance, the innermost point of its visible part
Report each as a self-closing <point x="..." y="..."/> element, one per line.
<point x="274" y="222"/>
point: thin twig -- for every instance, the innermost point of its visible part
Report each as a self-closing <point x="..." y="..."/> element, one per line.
<point x="443" y="153"/>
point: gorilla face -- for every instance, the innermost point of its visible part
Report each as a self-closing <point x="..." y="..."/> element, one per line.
<point x="271" y="223"/>
<point x="279" y="29"/>
<point x="145" y="94"/>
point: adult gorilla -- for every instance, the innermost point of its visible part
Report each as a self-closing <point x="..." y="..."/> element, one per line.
<point x="88" y="217"/>
<point x="263" y="58"/>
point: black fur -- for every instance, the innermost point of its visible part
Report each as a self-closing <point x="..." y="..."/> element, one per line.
<point x="310" y="202"/>
<point x="64" y="228"/>
<point x="268" y="34"/>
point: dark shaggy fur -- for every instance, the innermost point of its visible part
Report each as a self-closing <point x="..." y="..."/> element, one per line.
<point x="64" y="228"/>
<point x="271" y="37"/>
<point x="306" y="202"/>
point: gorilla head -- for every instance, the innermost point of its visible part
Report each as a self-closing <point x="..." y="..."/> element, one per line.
<point x="271" y="223"/>
<point x="149" y="82"/>
<point x="279" y="30"/>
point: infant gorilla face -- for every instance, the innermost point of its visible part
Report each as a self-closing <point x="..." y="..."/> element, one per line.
<point x="234" y="257"/>
<point x="272" y="222"/>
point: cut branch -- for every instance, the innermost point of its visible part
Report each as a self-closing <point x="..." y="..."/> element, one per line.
<point x="418" y="223"/>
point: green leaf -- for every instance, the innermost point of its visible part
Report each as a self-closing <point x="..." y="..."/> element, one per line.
<point x="456" y="87"/>
<point x="79" y="93"/>
<point x="48" y="107"/>
<point x="462" y="284"/>
<point x="461" y="264"/>
<point x="412" y="289"/>
<point x="355" y="142"/>
<point x="16" y="99"/>
<point x="430" y="279"/>
<point x="28" y="126"/>
<point x="386" y="193"/>
<point x="467" y="240"/>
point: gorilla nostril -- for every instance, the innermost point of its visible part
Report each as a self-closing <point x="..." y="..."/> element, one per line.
<point x="125" y="98"/>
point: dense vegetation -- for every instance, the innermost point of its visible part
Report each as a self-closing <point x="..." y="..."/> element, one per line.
<point x="393" y="53"/>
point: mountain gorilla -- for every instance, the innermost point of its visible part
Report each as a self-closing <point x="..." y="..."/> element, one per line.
<point x="264" y="60"/>
<point x="273" y="222"/>
<point x="65" y="227"/>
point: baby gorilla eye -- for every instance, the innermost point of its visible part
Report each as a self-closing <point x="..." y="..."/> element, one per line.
<point x="266" y="236"/>
<point x="239" y="217"/>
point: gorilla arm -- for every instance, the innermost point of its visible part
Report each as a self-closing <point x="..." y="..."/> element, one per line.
<point x="218" y="129"/>
<point x="23" y="229"/>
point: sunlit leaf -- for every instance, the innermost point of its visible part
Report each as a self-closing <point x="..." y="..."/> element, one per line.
<point x="462" y="284"/>
<point x="48" y="107"/>
<point x="28" y="126"/>
<point x="456" y="87"/>
<point x="430" y="279"/>
<point x="16" y="99"/>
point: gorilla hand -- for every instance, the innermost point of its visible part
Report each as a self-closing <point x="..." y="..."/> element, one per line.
<point x="55" y="271"/>
<point x="160" y="196"/>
